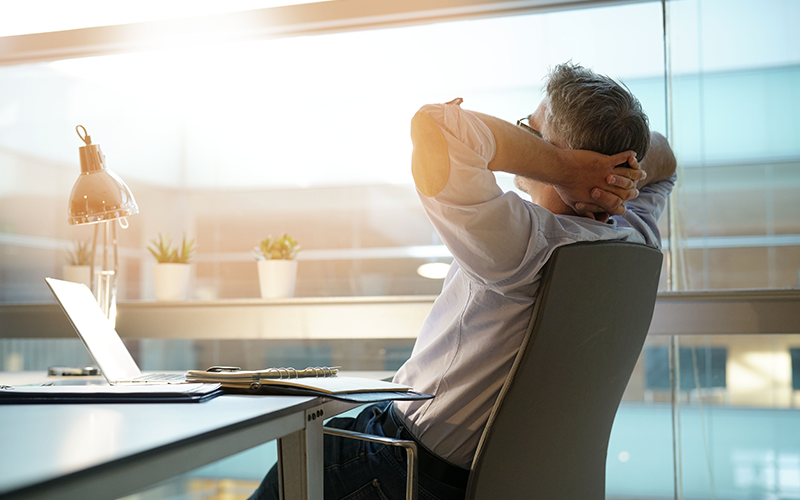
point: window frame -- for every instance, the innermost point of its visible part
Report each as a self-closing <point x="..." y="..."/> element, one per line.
<point x="276" y="22"/>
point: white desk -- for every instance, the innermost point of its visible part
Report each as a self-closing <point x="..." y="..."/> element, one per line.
<point x="108" y="451"/>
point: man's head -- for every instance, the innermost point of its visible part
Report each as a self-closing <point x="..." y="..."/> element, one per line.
<point x="584" y="110"/>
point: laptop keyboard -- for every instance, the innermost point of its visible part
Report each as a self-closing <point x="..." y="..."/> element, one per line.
<point x="160" y="376"/>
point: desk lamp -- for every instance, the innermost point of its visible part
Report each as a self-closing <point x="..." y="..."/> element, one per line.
<point x="101" y="198"/>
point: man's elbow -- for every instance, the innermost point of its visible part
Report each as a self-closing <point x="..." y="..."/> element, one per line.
<point x="430" y="160"/>
<point x="660" y="162"/>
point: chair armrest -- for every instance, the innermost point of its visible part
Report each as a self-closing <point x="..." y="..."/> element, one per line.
<point x="410" y="447"/>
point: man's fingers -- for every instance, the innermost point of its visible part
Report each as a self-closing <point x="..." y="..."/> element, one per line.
<point x="618" y="193"/>
<point x="627" y="194"/>
<point x="620" y="181"/>
<point x="621" y="174"/>
<point x="587" y="209"/>
<point x="608" y="201"/>
<point x="625" y="176"/>
<point x="594" y="212"/>
<point x="625" y="157"/>
<point x="631" y="171"/>
<point x="581" y="209"/>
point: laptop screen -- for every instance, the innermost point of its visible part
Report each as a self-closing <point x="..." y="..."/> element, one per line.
<point x="94" y="329"/>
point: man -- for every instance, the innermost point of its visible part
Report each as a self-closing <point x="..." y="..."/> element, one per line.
<point x="499" y="242"/>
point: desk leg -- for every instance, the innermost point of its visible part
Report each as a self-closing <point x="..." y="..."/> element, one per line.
<point x="300" y="460"/>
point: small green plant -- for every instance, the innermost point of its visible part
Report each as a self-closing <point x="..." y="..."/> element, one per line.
<point x="285" y="248"/>
<point x="81" y="255"/>
<point x="164" y="253"/>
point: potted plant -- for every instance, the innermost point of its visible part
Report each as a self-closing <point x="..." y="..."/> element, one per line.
<point x="171" y="272"/>
<point x="79" y="264"/>
<point x="277" y="267"/>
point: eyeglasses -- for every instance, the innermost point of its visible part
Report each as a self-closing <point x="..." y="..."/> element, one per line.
<point x="524" y="126"/>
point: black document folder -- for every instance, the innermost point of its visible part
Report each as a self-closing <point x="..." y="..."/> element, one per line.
<point x="134" y="393"/>
<point x="350" y="397"/>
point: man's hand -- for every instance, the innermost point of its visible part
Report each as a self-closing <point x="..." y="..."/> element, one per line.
<point x="590" y="183"/>
<point x="600" y="184"/>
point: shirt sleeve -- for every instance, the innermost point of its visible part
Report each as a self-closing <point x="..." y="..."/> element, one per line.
<point x="644" y="210"/>
<point x="470" y="211"/>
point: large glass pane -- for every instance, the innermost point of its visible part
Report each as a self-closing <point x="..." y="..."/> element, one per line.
<point x="737" y="416"/>
<point x="230" y="143"/>
<point x="732" y="420"/>
<point x="734" y="70"/>
<point x="640" y="450"/>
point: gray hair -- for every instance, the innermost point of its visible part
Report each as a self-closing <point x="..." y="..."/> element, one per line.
<point x="591" y="111"/>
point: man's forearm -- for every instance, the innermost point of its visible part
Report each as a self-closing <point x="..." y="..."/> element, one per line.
<point x="519" y="152"/>
<point x="660" y="162"/>
<point x="580" y="177"/>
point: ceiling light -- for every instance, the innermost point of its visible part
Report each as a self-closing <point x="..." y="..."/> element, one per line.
<point x="433" y="270"/>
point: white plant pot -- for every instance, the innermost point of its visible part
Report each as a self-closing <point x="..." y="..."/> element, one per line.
<point x="171" y="281"/>
<point x="78" y="274"/>
<point x="277" y="278"/>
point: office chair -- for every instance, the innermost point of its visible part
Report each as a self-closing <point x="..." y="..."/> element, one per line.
<point x="547" y="435"/>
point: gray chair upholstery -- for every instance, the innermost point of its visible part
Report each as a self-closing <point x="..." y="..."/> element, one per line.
<point x="547" y="435"/>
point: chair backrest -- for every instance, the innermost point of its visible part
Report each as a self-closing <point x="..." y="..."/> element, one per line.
<point x="547" y="435"/>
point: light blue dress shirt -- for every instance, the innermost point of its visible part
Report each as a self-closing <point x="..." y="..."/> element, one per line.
<point x="499" y="242"/>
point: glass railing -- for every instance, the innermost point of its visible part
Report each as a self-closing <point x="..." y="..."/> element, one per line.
<point x="706" y="415"/>
<point x="725" y="405"/>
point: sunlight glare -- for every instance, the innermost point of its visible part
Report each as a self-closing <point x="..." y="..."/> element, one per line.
<point x="23" y="18"/>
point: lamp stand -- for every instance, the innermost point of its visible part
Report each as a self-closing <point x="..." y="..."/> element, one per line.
<point x="104" y="279"/>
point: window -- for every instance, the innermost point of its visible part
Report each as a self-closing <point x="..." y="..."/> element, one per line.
<point x="231" y="141"/>
<point x="308" y="135"/>
<point x="734" y="109"/>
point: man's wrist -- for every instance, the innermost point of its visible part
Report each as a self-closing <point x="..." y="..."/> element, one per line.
<point x="562" y="171"/>
<point x="553" y="165"/>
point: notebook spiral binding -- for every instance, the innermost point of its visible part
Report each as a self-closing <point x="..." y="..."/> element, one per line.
<point x="283" y="373"/>
<point x="289" y="373"/>
<point x="293" y="373"/>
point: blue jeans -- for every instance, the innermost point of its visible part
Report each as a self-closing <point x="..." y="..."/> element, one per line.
<point x="360" y="470"/>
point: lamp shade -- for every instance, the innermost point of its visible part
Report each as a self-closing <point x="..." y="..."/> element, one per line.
<point x="98" y="194"/>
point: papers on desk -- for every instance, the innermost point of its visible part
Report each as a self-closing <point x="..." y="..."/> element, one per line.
<point x="327" y="385"/>
<point x="307" y="382"/>
<point x="140" y="393"/>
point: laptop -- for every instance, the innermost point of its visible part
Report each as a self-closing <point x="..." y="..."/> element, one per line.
<point x="100" y="338"/>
